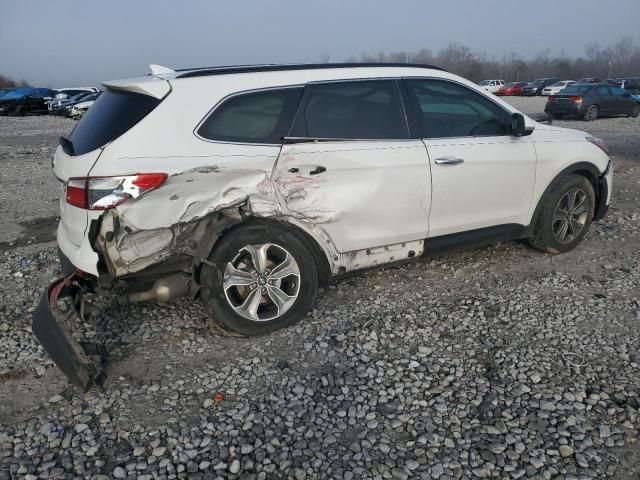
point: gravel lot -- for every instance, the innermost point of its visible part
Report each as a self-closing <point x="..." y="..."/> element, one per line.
<point x="499" y="362"/>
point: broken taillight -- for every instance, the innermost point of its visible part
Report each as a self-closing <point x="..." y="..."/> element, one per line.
<point x="103" y="193"/>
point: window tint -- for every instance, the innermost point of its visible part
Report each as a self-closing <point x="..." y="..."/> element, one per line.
<point x="256" y="117"/>
<point x="114" y="113"/>
<point x="618" y="92"/>
<point x="352" y="110"/>
<point x="576" y="90"/>
<point x="446" y="109"/>
<point x="603" y="91"/>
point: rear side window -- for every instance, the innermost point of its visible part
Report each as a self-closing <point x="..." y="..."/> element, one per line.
<point x="352" y="110"/>
<point x="445" y="109"/>
<point x="576" y="90"/>
<point x="256" y="117"/>
<point x="113" y="113"/>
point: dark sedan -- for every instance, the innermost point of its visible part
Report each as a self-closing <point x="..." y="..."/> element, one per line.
<point x="64" y="107"/>
<point x="536" y="87"/>
<point x="24" y="100"/>
<point x="591" y="101"/>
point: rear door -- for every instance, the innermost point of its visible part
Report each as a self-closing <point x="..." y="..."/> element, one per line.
<point x="350" y="168"/>
<point x="605" y="101"/>
<point x="481" y="175"/>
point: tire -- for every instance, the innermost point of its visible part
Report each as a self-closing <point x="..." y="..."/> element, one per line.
<point x="592" y="113"/>
<point x="19" y="110"/>
<point x="230" y="308"/>
<point x="547" y="233"/>
<point x="557" y="116"/>
<point x="635" y="111"/>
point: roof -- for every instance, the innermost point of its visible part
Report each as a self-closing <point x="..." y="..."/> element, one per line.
<point x="226" y="70"/>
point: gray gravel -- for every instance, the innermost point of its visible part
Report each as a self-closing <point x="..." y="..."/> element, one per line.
<point x="498" y="362"/>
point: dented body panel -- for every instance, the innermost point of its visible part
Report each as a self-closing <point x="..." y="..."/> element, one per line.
<point x="371" y="193"/>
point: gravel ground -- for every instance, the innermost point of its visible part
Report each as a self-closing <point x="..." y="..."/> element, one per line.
<point x="499" y="362"/>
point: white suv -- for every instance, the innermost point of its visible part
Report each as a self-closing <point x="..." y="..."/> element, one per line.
<point x="247" y="186"/>
<point x="492" y="85"/>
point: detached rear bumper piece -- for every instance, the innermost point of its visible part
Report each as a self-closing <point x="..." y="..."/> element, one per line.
<point x="82" y="364"/>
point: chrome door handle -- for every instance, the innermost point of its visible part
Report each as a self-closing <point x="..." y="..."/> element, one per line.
<point x="448" y="161"/>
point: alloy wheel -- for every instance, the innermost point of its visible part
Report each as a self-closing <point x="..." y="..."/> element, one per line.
<point x="570" y="215"/>
<point x="262" y="282"/>
<point x="592" y="113"/>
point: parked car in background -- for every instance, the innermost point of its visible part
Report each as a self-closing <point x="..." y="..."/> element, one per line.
<point x="66" y="93"/>
<point x="25" y="100"/>
<point x="64" y="107"/>
<point x="591" y="101"/>
<point x="631" y="84"/>
<point x="556" y="87"/>
<point x="492" y="85"/>
<point x="3" y="91"/>
<point x="248" y="206"/>
<point x="536" y="87"/>
<point x="78" y="109"/>
<point x="589" y="80"/>
<point x="511" y="89"/>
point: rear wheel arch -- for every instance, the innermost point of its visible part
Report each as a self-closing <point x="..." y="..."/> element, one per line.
<point x="586" y="169"/>
<point x="319" y="256"/>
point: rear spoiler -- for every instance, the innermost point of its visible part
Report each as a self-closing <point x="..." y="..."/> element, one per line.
<point x="149" y="85"/>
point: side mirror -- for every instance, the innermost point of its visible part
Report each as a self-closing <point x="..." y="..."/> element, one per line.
<point x="519" y="127"/>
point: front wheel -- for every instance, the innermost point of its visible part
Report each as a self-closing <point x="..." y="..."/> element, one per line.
<point x="259" y="278"/>
<point x="565" y="215"/>
<point x="635" y="112"/>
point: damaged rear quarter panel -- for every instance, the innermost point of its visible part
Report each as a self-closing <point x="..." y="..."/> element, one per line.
<point x="159" y="224"/>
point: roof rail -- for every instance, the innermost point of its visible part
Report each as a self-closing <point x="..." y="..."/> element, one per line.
<point x="205" y="71"/>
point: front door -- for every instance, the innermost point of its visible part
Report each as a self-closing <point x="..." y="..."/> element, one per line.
<point x="481" y="175"/>
<point x="349" y="167"/>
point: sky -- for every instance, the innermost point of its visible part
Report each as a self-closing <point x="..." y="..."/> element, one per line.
<point x="61" y="43"/>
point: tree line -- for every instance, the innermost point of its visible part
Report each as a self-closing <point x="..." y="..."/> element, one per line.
<point x="622" y="59"/>
<point x="8" y="82"/>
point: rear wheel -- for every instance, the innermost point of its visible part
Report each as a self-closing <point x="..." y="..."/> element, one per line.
<point x="565" y="215"/>
<point x="259" y="278"/>
<point x="19" y="110"/>
<point x="592" y="113"/>
<point x="635" y="111"/>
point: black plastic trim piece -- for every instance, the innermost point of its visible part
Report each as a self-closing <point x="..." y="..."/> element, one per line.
<point x="206" y="71"/>
<point x="472" y="238"/>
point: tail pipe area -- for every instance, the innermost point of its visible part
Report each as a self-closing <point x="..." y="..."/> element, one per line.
<point x="84" y="363"/>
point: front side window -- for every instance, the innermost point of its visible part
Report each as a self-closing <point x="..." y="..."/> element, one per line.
<point x="359" y="110"/>
<point x="256" y="117"/>
<point x="445" y="109"/>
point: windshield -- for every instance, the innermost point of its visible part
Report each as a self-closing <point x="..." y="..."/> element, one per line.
<point x="559" y="84"/>
<point x="113" y="113"/>
<point x="21" y="92"/>
<point x="576" y="90"/>
<point x="537" y="82"/>
<point x="484" y="83"/>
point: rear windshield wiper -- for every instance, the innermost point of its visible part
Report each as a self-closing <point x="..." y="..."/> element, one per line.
<point x="67" y="145"/>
